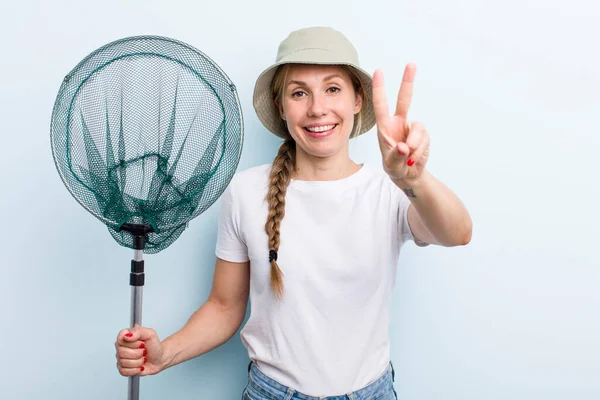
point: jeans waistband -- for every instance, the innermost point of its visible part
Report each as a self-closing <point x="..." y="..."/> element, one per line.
<point x="270" y="388"/>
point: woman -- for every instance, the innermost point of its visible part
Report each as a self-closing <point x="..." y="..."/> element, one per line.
<point x="321" y="233"/>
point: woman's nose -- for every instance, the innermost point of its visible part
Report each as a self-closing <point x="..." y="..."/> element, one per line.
<point x="317" y="105"/>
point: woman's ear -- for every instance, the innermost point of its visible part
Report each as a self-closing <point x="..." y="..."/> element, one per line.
<point x="359" y="102"/>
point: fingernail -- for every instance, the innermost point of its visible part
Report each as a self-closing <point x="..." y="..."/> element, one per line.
<point x="410" y="163"/>
<point x="142" y="368"/>
<point x="142" y="345"/>
<point x="129" y="334"/>
<point x="145" y="352"/>
<point x="145" y="359"/>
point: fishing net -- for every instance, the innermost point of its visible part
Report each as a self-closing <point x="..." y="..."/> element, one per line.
<point x="146" y="131"/>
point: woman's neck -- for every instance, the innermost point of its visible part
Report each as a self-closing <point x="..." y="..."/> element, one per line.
<point x="310" y="168"/>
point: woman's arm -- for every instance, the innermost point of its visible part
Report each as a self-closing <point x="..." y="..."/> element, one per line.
<point x="217" y="320"/>
<point x="436" y="215"/>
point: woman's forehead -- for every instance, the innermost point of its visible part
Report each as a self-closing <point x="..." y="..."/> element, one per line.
<point x="316" y="73"/>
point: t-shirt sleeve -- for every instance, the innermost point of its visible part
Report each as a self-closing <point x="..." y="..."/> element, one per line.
<point x="230" y="244"/>
<point x="405" y="231"/>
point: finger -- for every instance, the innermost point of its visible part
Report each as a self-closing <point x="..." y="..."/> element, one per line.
<point x="134" y="334"/>
<point x="122" y="338"/>
<point x="380" y="105"/>
<point x="406" y="91"/>
<point x="398" y="155"/>
<point x="126" y="337"/>
<point x="144" y="334"/>
<point x="136" y="344"/>
<point x="395" y="161"/>
<point x="385" y="140"/>
<point x="123" y="333"/>
<point x="130" y="354"/>
<point x="402" y="150"/>
<point x="131" y="371"/>
<point x="123" y="363"/>
<point x="137" y="333"/>
<point x="415" y="136"/>
<point x="418" y="154"/>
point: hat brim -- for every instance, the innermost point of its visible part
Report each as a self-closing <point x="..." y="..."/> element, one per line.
<point x="267" y="111"/>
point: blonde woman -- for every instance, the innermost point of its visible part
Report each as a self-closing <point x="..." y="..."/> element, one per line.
<point x="313" y="239"/>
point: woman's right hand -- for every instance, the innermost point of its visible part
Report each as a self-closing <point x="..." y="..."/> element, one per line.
<point x="139" y="352"/>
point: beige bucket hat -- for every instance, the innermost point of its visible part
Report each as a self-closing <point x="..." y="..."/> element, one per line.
<point x="316" y="45"/>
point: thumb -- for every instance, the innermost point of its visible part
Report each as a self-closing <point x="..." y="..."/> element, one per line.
<point x="130" y="335"/>
<point x="138" y="333"/>
<point x="402" y="150"/>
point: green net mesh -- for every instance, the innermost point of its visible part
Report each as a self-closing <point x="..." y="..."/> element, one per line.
<point x="146" y="130"/>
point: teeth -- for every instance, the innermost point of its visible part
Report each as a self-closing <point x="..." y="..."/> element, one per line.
<point x="321" y="128"/>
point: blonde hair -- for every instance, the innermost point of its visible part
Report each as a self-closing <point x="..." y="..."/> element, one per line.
<point x="283" y="168"/>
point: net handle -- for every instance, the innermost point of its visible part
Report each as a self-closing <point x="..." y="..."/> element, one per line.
<point x="136" y="281"/>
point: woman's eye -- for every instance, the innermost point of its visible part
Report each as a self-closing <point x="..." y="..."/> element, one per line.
<point x="298" y="93"/>
<point x="334" y="89"/>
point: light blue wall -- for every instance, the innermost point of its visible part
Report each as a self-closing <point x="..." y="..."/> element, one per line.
<point x="509" y="94"/>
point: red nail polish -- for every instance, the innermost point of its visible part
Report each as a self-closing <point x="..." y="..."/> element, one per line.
<point x="142" y="345"/>
<point x="142" y="368"/>
<point x="145" y="359"/>
<point x="129" y="334"/>
<point x="145" y="352"/>
<point x="410" y="163"/>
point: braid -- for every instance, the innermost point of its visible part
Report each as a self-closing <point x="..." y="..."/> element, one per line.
<point x="279" y="180"/>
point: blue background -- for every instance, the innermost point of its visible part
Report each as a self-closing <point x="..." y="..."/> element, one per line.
<point x="509" y="94"/>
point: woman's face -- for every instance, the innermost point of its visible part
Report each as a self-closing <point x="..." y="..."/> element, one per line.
<point x="318" y="104"/>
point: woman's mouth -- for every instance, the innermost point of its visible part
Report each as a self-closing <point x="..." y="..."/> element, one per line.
<point x="320" y="131"/>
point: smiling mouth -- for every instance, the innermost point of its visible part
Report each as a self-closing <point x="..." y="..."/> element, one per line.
<point x="317" y="130"/>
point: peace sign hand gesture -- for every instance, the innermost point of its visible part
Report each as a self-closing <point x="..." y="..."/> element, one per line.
<point x="404" y="146"/>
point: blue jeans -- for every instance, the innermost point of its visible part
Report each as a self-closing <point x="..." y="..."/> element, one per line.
<point x="261" y="387"/>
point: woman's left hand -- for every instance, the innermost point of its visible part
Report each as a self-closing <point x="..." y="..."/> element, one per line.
<point x="404" y="145"/>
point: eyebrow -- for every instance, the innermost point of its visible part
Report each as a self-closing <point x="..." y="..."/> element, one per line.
<point x="327" y="78"/>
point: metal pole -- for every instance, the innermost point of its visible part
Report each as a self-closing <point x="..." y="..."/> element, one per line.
<point x="137" y="290"/>
<point x="136" y="280"/>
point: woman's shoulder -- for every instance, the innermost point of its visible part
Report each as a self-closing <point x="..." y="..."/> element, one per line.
<point x="251" y="178"/>
<point x="257" y="172"/>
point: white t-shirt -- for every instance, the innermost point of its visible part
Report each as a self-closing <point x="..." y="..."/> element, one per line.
<point x="340" y="242"/>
